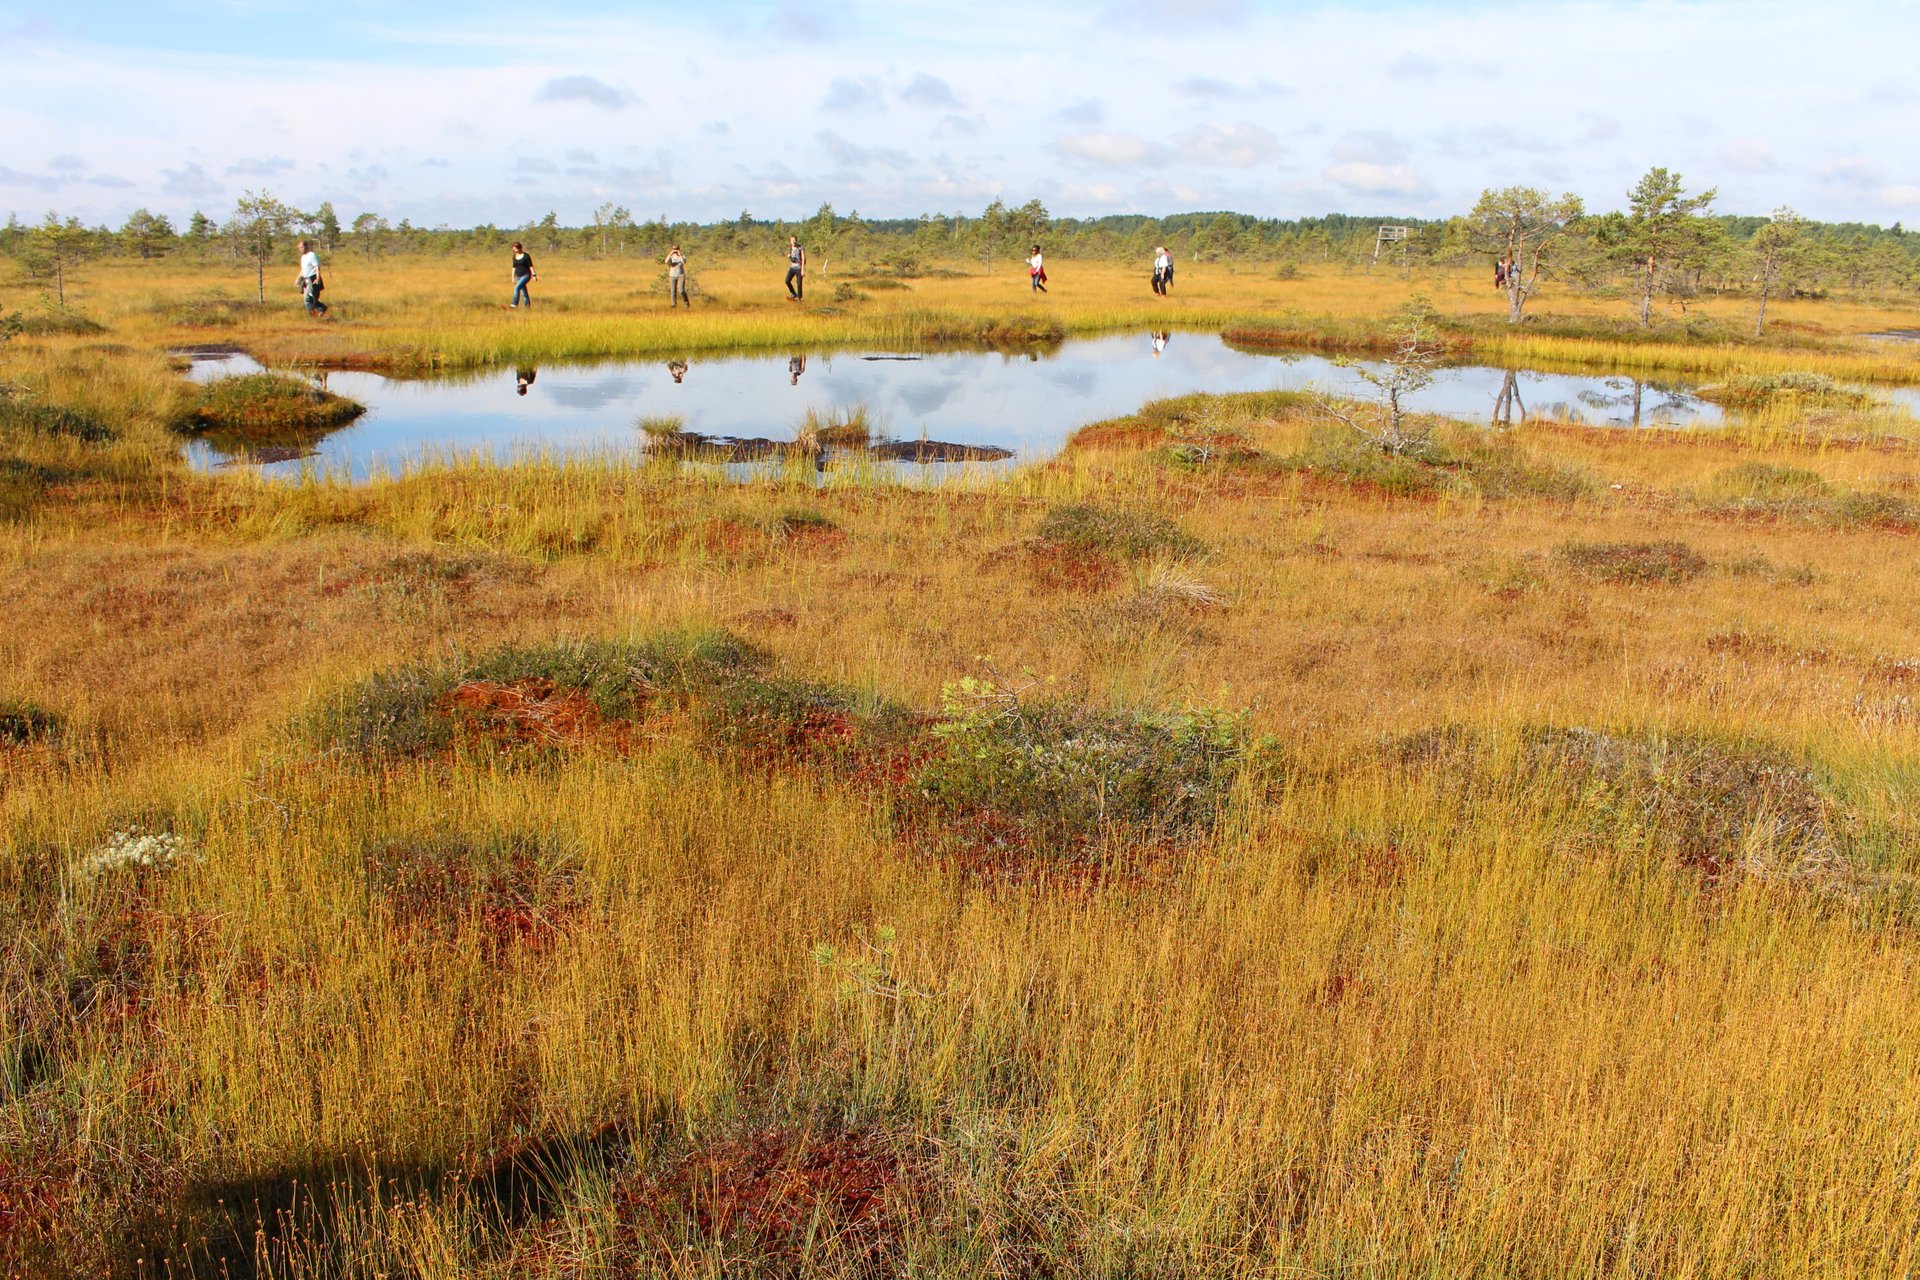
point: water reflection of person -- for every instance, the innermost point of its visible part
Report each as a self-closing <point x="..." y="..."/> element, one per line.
<point x="678" y="368"/>
<point x="796" y="367"/>
<point x="1160" y="342"/>
<point x="524" y="379"/>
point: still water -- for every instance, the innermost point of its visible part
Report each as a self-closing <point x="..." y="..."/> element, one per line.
<point x="1023" y="403"/>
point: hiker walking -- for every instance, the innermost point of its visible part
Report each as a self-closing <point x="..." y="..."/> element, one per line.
<point x="1501" y="270"/>
<point x="310" y="282"/>
<point x="796" y="270"/>
<point x="1037" y="271"/>
<point x="677" y="278"/>
<point x="1162" y="270"/>
<point x="522" y="275"/>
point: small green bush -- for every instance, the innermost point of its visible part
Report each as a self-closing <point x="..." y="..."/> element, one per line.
<point x="405" y="712"/>
<point x="1635" y="563"/>
<point x="1069" y="777"/>
<point x="55" y="324"/>
<point x="1340" y="455"/>
<point x="1130" y="533"/>
<point x="23" y="723"/>
<point x="21" y="417"/>
<point x="1879" y="508"/>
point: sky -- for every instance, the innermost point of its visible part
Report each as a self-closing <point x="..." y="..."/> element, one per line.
<point x="473" y="111"/>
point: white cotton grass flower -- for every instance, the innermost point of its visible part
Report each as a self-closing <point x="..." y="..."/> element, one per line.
<point x="134" y="848"/>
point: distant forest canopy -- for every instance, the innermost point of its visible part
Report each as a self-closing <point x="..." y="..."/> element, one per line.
<point x="1700" y="250"/>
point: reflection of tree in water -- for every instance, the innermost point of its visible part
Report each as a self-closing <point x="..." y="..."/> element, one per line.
<point x="1508" y="402"/>
<point x="1636" y="402"/>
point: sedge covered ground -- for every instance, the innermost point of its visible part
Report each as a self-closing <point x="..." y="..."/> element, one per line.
<point x="1220" y="850"/>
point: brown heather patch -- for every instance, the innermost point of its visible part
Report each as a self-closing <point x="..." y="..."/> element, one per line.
<point x="778" y="1194"/>
<point x="531" y="712"/>
<point x="1058" y="567"/>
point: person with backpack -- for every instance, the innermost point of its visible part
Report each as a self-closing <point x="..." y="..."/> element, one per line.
<point x="310" y="282"/>
<point x="522" y="276"/>
<point x="1037" y="271"/>
<point x="1162" y="269"/>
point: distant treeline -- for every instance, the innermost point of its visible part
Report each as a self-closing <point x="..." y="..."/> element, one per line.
<point x="1830" y="256"/>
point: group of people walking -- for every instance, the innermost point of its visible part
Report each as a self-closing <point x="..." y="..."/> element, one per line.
<point x="678" y="294"/>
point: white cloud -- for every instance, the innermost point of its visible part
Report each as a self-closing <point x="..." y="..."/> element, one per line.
<point x="190" y="180"/>
<point x="1366" y="178"/>
<point x="1234" y="146"/>
<point x="39" y="181"/>
<point x="1851" y="171"/>
<point x="849" y="94"/>
<point x="1749" y="155"/>
<point x="262" y="167"/>
<point x="596" y="93"/>
<point x="1116" y="150"/>
<point x="930" y="91"/>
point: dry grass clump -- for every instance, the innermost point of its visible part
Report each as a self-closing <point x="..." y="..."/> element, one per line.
<point x="1664" y="562"/>
<point x="1127" y="533"/>
<point x="850" y="426"/>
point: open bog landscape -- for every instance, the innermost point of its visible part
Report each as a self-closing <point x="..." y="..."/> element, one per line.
<point x="1334" y="770"/>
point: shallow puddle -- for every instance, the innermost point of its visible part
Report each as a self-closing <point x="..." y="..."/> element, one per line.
<point x="930" y="412"/>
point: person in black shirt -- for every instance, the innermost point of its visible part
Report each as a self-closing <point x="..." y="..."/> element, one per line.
<point x="522" y="275"/>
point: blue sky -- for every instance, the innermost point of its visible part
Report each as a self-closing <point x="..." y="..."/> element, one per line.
<point x="471" y="112"/>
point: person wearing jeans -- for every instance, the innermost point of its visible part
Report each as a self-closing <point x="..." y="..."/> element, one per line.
<point x="522" y="275"/>
<point x="310" y="282"/>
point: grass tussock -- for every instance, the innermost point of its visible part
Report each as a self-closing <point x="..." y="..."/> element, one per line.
<point x="1126" y="533"/>
<point x="22" y="418"/>
<point x="1795" y="387"/>
<point x="24" y="723"/>
<point x="268" y="406"/>
<point x="1667" y="562"/>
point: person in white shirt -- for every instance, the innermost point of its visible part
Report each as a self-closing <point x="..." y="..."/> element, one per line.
<point x="1037" y="271"/>
<point x="310" y="282"/>
<point x="1162" y="268"/>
